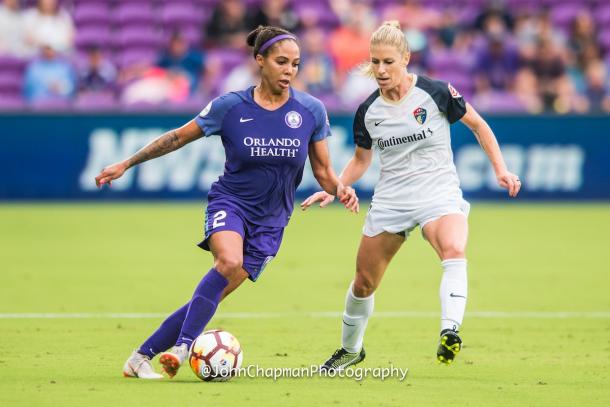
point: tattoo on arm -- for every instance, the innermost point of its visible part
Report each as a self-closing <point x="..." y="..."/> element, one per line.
<point x="162" y="145"/>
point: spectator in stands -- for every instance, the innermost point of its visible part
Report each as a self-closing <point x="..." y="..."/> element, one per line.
<point x="526" y="90"/>
<point x="414" y="17"/>
<point x="577" y="64"/>
<point x="98" y="74"/>
<point x="241" y="77"/>
<point x="277" y="13"/>
<point x="309" y="17"/>
<point x="49" y="77"/>
<point x="11" y="29"/>
<point x="496" y="65"/>
<point x="349" y="43"/>
<point x="546" y="30"/>
<point x="526" y="35"/>
<point x="494" y="27"/>
<point x="317" y="71"/>
<point x="48" y="24"/>
<point x="229" y="25"/>
<point x="583" y="34"/>
<point x="598" y="88"/>
<point x="448" y="27"/>
<point x="498" y="10"/>
<point x="155" y="86"/>
<point x="557" y="92"/>
<point x="417" y="22"/>
<point x="549" y="68"/>
<point x="181" y="59"/>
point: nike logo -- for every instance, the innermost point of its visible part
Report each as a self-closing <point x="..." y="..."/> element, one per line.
<point x="242" y="120"/>
<point x="348" y="324"/>
<point x="455" y="295"/>
<point x="379" y="122"/>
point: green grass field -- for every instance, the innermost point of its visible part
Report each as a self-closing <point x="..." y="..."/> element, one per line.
<point x="537" y="329"/>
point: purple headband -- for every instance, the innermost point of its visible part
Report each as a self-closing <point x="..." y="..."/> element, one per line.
<point x="274" y="40"/>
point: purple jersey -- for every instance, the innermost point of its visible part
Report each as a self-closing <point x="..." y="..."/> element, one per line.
<point x="265" y="151"/>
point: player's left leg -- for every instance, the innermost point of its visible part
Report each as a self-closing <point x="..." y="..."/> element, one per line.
<point x="448" y="235"/>
<point x="138" y="364"/>
<point x="239" y="253"/>
<point x="227" y="262"/>
<point x="227" y="273"/>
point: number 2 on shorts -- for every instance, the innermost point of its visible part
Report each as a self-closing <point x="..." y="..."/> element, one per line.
<point x="218" y="217"/>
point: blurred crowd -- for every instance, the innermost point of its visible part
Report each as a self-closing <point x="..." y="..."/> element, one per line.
<point x="533" y="56"/>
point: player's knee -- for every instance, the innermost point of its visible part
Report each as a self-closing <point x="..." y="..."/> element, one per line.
<point x="364" y="286"/>
<point x="228" y="264"/>
<point x="453" y="251"/>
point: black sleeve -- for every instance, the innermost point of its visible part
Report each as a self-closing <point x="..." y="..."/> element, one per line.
<point x="446" y="97"/>
<point x="455" y="106"/>
<point x="362" y="138"/>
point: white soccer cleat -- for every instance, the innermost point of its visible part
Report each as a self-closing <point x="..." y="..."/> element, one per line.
<point x="139" y="366"/>
<point x="172" y="360"/>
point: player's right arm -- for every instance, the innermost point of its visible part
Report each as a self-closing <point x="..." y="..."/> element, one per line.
<point x="166" y="143"/>
<point x="353" y="171"/>
<point x="356" y="166"/>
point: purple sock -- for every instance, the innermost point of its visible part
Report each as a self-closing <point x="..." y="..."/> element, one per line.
<point x="166" y="335"/>
<point x="202" y="306"/>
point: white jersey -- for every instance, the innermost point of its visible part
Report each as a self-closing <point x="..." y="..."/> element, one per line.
<point x="414" y="145"/>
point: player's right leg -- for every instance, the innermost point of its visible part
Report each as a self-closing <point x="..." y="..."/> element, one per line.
<point x="448" y="235"/>
<point x="374" y="255"/>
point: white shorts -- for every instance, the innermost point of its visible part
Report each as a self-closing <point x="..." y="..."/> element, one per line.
<point x="379" y="219"/>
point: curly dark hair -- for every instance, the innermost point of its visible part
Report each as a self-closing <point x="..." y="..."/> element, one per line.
<point x="261" y="35"/>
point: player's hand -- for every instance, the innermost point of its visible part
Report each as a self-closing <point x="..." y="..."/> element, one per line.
<point x="509" y="181"/>
<point x="349" y="199"/>
<point x="110" y="173"/>
<point x="323" y="197"/>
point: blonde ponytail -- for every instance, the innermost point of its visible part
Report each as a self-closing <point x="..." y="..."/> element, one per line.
<point x="388" y="33"/>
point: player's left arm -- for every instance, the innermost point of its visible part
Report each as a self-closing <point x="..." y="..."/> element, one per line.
<point x="488" y="142"/>
<point x="326" y="177"/>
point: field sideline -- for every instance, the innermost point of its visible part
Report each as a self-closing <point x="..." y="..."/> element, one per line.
<point x="83" y="284"/>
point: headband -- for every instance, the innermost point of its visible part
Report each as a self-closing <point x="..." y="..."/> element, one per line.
<point x="274" y="40"/>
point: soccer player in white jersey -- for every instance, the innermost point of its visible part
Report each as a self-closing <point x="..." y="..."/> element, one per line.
<point x="407" y="121"/>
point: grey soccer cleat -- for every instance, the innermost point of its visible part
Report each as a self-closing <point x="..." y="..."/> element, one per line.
<point x="341" y="359"/>
<point x="139" y="366"/>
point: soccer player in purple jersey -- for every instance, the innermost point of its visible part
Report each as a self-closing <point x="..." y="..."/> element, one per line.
<point x="268" y="131"/>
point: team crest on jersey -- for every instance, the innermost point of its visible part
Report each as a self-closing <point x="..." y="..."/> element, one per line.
<point x="454" y="93"/>
<point x="293" y="119"/>
<point x="420" y="115"/>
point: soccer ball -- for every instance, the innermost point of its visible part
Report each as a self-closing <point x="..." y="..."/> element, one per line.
<point x="215" y="355"/>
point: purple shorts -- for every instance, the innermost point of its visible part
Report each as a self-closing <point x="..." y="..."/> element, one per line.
<point x="261" y="243"/>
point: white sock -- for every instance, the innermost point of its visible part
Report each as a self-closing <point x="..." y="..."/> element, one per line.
<point x="355" y="317"/>
<point x="453" y="293"/>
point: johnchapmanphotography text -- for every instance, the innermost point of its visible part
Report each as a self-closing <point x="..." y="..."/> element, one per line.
<point x="275" y="373"/>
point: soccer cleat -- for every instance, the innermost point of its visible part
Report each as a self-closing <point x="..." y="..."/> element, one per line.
<point x="449" y="346"/>
<point x="139" y="366"/>
<point x="342" y="359"/>
<point x="172" y="360"/>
